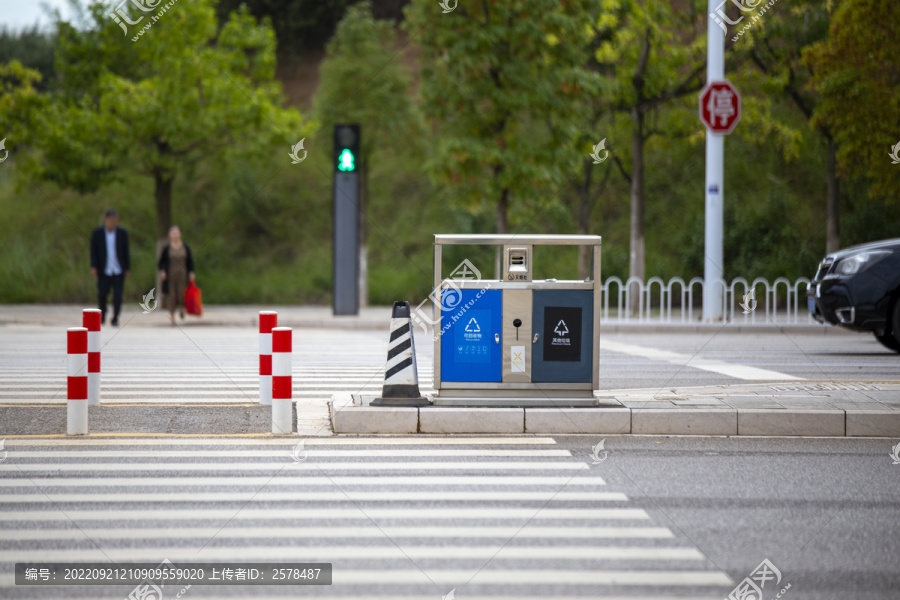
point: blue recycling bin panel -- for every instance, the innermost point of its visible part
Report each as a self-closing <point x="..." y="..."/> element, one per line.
<point x="565" y="320"/>
<point x="469" y="347"/>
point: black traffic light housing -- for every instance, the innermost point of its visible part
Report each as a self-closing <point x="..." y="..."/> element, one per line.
<point x="346" y="148"/>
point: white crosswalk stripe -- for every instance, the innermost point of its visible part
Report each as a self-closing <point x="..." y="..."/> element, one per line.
<point x="403" y="519"/>
<point x="277" y="467"/>
<point x="239" y="385"/>
<point x="45" y="482"/>
<point x="438" y="495"/>
<point x="302" y="553"/>
<point x="379" y="452"/>
<point x="212" y="366"/>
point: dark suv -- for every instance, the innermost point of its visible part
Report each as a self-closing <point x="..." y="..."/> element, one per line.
<point x="859" y="288"/>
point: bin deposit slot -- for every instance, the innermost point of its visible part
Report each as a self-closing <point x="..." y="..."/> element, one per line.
<point x="518" y="263"/>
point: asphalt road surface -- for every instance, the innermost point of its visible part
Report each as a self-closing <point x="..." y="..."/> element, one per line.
<point x="464" y="517"/>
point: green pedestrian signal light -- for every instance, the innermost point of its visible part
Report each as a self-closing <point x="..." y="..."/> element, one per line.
<point x="346" y="161"/>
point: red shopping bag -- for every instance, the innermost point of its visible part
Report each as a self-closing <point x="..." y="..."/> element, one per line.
<point x="192" y="300"/>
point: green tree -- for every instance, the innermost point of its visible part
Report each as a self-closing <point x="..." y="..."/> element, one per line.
<point x="501" y="82"/>
<point x="20" y="103"/>
<point x="305" y="26"/>
<point x="32" y="47"/>
<point x="857" y="75"/>
<point x="589" y="180"/>
<point x="300" y="25"/>
<point x="774" y="49"/>
<point x="158" y="102"/>
<point x="659" y="57"/>
<point x="362" y="82"/>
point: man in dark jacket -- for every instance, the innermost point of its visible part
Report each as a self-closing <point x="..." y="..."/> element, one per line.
<point x="110" y="262"/>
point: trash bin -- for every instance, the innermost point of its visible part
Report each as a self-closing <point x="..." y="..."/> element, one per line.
<point x="516" y="341"/>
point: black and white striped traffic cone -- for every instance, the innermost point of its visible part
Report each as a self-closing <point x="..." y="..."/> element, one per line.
<point x="401" y="378"/>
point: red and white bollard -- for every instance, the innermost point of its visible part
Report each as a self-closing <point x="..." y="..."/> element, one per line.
<point x="90" y="319"/>
<point x="77" y="383"/>
<point x="268" y="320"/>
<point x="281" y="381"/>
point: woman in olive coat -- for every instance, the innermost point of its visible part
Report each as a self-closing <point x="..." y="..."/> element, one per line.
<point x="176" y="269"/>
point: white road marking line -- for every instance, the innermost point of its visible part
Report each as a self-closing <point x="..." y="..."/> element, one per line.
<point x="285" y="553"/>
<point x="512" y="577"/>
<point x="152" y="391"/>
<point x="431" y="596"/>
<point x="280" y="532"/>
<point x="281" y="480"/>
<point x="542" y="577"/>
<point x="221" y="378"/>
<point x="356" y="441"/>
<point x="341" y="496"/>
<point x="695" y="362"/>
<point x="191" y="397"/>
<point x="517" y="578"/>
<point x="235" y="399"/>
<point x="110" y="386"/>
<point x="494" y="513"/>
<point x="133" y="383"/>
<point x="305" y="466"/>
<point x="77" y="454"/>
<point x="160" y="370"/>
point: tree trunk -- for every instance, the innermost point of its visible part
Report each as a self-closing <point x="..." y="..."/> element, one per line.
<point x="502" y="227"/>
<point x="363" y="251"/>
<point x="636" y="255"/>
<point x="833" y="217"/>
<point x="162" y="193"/>
<point x="584" y="213"/>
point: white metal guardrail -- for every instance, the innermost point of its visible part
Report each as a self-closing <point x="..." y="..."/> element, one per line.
<point x="780" y="302"/>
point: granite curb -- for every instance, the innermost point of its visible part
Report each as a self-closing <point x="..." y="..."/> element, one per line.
<point x="347" y="418"/>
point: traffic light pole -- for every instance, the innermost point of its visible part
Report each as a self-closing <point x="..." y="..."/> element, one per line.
<point x="345" y="260"/>
<point x="713" y="281"/>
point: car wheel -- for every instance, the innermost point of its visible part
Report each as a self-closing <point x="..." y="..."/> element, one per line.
<point x="895" y="323"/>
<point x="887" y="340"/>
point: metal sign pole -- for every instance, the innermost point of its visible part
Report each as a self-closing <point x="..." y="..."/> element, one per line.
<point x="713" y="291"/>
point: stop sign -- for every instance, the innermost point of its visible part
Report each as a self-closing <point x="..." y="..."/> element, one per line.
<point x="720" y="107"/>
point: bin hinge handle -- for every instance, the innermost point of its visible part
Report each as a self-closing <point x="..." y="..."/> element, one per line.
<point x="496" y="338"/>
<point x="535" y="339"/>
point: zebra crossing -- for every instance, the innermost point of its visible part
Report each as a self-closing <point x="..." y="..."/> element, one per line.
<point x="397" y="517"/>
<point x="145" y="385"/>
<point x="159" y="365"/>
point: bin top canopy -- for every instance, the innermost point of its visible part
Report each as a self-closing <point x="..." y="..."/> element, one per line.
<point x="497" y="239"/>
